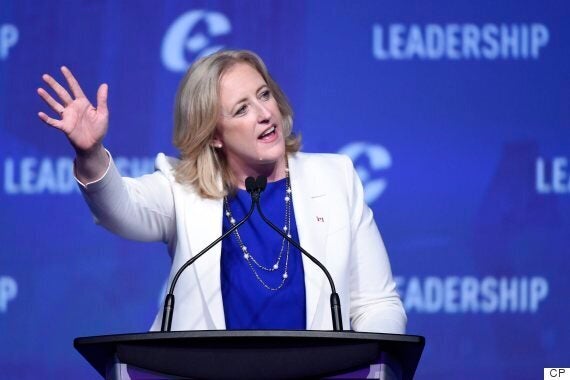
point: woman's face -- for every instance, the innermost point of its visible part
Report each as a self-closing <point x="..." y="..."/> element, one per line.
<point x="250" y="125"/>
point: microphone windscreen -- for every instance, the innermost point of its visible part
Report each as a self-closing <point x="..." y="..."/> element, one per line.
<point x="250" y="184"/>
<point x="261" y="182"/>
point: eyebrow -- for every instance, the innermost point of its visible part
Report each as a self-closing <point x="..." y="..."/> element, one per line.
<point x="245" y="98"/>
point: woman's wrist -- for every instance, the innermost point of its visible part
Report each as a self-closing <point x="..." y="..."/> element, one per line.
<point x="91" y="165"/>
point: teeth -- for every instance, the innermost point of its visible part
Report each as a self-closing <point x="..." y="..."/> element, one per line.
<point x="270" y="130"/>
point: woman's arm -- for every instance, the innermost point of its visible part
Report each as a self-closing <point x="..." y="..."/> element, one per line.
<point x="140" y="209"/>
<point x="135" y="208"/>
<point x="375" y="303"/>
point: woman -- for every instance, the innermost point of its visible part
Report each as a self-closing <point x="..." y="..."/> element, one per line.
<point x="233" y="121"/>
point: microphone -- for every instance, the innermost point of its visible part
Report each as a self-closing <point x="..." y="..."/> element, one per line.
<point x="260" y="183"/>
<point x="168" y="312"/>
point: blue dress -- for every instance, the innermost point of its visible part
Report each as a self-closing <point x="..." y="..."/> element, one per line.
<point x="254" y="298"/>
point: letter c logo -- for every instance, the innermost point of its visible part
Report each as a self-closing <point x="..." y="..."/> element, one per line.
<point x="369" y="160"/>
<point x="179" y="38"/>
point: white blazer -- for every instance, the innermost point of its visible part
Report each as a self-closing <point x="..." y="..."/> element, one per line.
<point x="334" y="225"/>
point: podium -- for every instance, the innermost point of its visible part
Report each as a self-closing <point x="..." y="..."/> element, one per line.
<point x="252" y="354"/>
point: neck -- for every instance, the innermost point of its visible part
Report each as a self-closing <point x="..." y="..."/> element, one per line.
<point x="274" y="171"/>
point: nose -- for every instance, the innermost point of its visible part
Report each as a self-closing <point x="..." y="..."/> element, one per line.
<point x="263" y="113"/>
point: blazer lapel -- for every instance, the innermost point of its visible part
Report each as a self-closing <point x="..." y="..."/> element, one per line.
<point x="311" y="215"/>
<point x="204" y="226"/>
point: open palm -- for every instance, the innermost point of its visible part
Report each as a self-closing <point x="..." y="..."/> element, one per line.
<point x="84" y="125"/>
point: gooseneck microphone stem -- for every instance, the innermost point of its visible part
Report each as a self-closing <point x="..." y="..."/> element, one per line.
<point x="335" y="299"/>
<point x="169" y="300"/>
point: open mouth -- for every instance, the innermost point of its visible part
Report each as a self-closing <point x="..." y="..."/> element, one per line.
<point x="268" y="133"/>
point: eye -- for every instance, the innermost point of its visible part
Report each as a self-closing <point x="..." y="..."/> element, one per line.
<point x="241" y="111"/>
<point x="265" y="95"/>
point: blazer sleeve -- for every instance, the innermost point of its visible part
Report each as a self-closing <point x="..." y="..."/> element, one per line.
<point x="135" y="208"/>
<point x="375" y="304"/>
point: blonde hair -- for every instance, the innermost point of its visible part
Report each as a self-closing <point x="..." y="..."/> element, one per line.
<point x="196" y="112"/>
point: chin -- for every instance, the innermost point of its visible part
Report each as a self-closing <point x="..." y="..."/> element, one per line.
<point x="269" y="159"/>
<point x="272" y="152"/>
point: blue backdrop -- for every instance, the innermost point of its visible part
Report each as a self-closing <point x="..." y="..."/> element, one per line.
<point x="455" y="113"/>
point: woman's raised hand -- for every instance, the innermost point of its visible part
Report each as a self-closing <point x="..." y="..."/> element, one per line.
<point x="84" y="125"/>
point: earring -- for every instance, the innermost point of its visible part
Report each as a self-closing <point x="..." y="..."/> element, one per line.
<point x="217" y="145"/>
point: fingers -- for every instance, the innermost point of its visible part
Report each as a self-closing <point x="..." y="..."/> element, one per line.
<point x="58" y="89"/>
<point x="72" y="82"/>
<point x="51" y="102"/>
<point x="50" y="121"/>
<point x="102" y="94"/>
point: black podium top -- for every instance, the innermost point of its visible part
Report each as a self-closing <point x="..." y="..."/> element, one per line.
<point x="251" y="353"/>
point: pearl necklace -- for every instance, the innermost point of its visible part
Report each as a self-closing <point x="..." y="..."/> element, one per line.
<point x="247" y="255"/>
